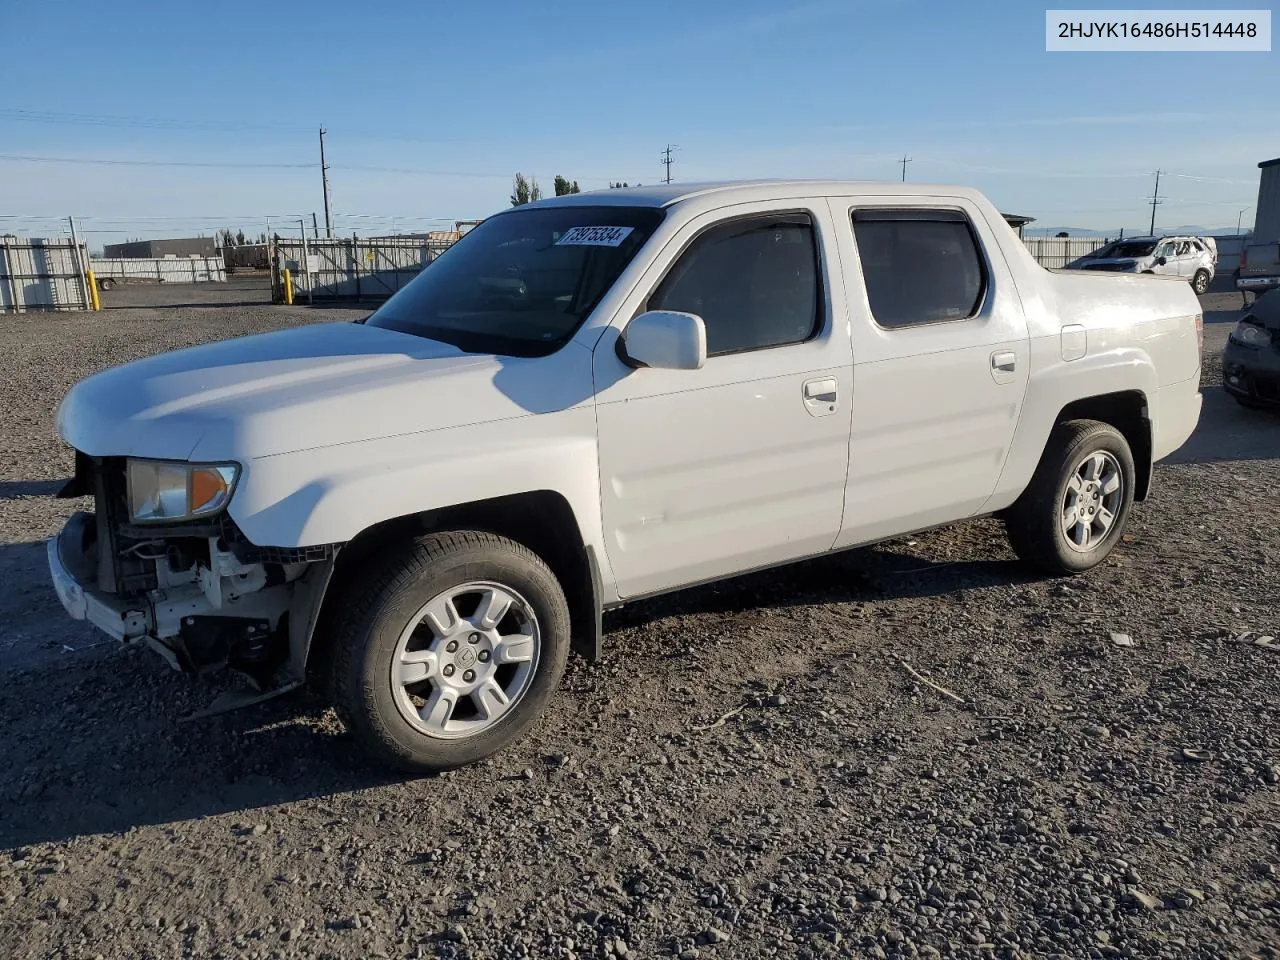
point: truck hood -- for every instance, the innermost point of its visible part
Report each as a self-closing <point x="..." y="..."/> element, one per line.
<point x="313" y="386"/>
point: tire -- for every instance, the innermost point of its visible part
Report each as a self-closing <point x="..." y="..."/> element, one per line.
<point x="386" y="712"/>
<point x="1200" y="282"/>
<point x="1035" y="523"/>
<point x="106" y="283"/>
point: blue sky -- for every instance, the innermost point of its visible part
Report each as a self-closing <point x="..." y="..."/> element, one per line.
<point x="431" y="107"/>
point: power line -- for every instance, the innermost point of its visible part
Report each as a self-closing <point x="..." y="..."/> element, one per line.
<point x="1187" y="176"/>
<point x="100" y="161"/>
<point x="666" y="159"/>
<point x="474" y="174"/>
<point x="110" y="120"/>
<point x="231" y="165"/>
<point x="173" y="123"/>
<point x="120" y="120"/>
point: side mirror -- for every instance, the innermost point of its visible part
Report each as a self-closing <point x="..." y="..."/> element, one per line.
<point x="1161" y="261"/>
<point x="665" y="339"/>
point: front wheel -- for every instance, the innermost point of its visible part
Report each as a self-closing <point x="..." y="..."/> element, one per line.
<point x="1075" y="509"/>
<point x="1200" y="282"/>
<point x="450" y="650"/>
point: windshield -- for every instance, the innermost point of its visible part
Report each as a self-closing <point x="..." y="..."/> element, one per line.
<point x="1126" y="248"/>
<point x="521" y="283"/>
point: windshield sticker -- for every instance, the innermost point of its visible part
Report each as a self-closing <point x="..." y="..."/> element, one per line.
<point x="593" y="236"/>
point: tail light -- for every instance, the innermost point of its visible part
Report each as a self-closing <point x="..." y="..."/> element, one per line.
<point x="1200" y="329"/>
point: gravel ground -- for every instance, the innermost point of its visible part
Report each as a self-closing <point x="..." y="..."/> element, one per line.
<point x="756" y="769"/>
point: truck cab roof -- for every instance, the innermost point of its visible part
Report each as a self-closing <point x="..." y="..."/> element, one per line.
<point x="743" y="191"/>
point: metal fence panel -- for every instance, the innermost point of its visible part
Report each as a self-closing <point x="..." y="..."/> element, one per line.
<point x="161" y="269"/>
<point x="350" y="268"/>
<point x="42" y="275"/>
<point x="1055" y="252"/>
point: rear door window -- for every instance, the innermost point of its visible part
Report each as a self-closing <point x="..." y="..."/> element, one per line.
<point x="919" y="266"/>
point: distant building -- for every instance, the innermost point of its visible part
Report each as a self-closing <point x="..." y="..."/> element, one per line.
<point x="1266" y="218"/>
<point x="1016" y="221"/>
<point x="142" y="249"/>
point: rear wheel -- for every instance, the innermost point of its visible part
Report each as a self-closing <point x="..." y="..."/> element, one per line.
<point x="1200" y="282"/>
<point x="1075" y="509"/>
<point x="450" y="651"/>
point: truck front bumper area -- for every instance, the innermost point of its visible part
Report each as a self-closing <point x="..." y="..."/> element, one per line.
<point x="107" y="612"/>
<point x="1251" y="373"/>
<point x="198" y="619"/>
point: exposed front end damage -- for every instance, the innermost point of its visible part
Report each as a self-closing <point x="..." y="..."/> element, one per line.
<point x="196" y="592"/>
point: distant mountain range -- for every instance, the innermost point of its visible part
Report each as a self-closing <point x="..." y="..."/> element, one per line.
<point x="1189" y="229"/>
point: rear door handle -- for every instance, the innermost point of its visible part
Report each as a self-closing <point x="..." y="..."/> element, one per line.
<point x="820" y="396"/>
<point x="824" y="391"/>
<point x="1004" y="364"/>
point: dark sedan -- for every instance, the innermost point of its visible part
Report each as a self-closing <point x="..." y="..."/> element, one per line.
<point x="1251" y="361"/>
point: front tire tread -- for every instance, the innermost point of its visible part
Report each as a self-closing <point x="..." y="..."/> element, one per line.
<point x="355" y="693"/>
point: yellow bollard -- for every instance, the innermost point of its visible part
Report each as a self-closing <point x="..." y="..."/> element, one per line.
<point x="288" y="286"/>
<point x="93" y="291"/>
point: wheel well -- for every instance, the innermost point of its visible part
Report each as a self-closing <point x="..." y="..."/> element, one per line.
<point x="1127" y="412"/>
<point x="541" y="520"/>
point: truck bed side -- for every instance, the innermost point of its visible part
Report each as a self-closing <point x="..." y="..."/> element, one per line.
<point x="1136" y="338"/>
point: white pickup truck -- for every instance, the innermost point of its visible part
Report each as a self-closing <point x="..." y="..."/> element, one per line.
<point x="598" y="398"/>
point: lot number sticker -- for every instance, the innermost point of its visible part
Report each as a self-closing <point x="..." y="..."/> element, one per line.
<point x="593" y="236"/>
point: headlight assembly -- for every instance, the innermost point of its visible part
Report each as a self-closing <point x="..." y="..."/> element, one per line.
<point x="162" y="491"/>
<point x="1250" y="334"/>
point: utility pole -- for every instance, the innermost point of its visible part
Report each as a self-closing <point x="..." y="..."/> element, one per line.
<point x="324" y="177"/>
<point x="1238" y="216"/>
<point x="1155" y="201"/>
<point x="905" y="161"/>
<point x="666" y="158"/>
<point x="315" y="229"/>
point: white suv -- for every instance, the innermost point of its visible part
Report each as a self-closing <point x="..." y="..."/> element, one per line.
<point x="1193" y="258"/>
<point x="598" y="398"/>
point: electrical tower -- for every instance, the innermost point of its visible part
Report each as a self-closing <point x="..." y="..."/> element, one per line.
<point x="666" y="158"/>
<point x="1155" y="201"/>
<point x="905" y="161"/>
<point x="324" y="178"/>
